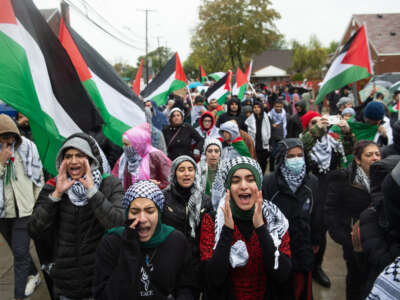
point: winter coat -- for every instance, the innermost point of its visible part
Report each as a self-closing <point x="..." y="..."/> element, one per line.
<point x="345" y="202"/>
<point x="265" y="130"/>
<point x="182" y="142"/>
<point x="294" y="126"/>
<point x="393" y="149"/>
<point x="380" y="239"/>
<point x="213" y="132"/>
<point x="225" y="117"/>
<point x="78" y="230"/>
<point x="121" y="271"/>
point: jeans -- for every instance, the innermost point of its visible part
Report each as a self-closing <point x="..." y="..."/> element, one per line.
<point x="15" y="232"/>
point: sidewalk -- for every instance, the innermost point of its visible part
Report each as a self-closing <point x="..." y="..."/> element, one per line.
<point x="333" y="265"/>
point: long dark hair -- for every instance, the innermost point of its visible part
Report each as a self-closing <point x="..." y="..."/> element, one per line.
<point x="360" y="146"/>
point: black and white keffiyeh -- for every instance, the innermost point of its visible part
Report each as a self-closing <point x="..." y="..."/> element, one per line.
<point x="362" y="179"/>
<point x="387" y="285"/>
<point x="293" y="180"/>
<point x="277" y="224"/>
<point x="144" y="189"/>
<point x="321" y="153"/>
<point x="131" y="159"/>
<point x="77" y="193"/>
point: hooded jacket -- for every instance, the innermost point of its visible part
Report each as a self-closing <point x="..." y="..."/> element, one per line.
<point x="159" y="120"/>
<point x="237" y="146"/>
<point x="210" y="133"/>
<point x="154" y="164"/>
<point x="76" y="230"/>
<point x="20" y="194"/>
<point x="251" y="123"/>
<point x="301" y="208"/>
<point x="229" y="115"/>
<point x="393" y="149"/>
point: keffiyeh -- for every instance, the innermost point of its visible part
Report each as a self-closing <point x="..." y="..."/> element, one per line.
<point x="144" y="189"/>
<point x="279" y="118"/>
<point x="362" y="178"/>
<point x="321" y="153"/>
<point x="77" y="193"/>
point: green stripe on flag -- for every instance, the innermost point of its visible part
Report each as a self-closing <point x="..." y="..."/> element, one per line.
<point x="242" y="91"/>
<point x="17" y="90"/>
<point x="112" y="127"/>
<point x="350" y="75"/>
<point x="222" y="99"/>
<point x="161" y="99"/>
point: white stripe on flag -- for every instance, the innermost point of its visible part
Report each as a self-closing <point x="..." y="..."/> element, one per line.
<point x="336" y="68"/>
<point x="162" y="88"/>
<point x="41" y="80"/>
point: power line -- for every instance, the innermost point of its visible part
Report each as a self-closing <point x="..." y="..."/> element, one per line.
<point x="96" y="24"/>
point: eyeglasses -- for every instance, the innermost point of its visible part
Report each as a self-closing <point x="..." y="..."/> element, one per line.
<point x="207" y="121"/>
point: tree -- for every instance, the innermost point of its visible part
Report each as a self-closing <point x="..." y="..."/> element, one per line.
<point x="230" y="32"/>
<point x="308" y="59"/>
<point x="125" y="70"/>
<point x="156" y="60"/>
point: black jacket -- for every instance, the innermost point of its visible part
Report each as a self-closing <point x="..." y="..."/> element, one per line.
<point x="379" y="238"/>
<point x="344" y="204"/>
<point x="78" y="230"/>
<point x="182" y="143"/>
<point x="121" y="271"/>
<point x="294" y="126"/>
<point x="225" y="117"/>
<point x="302" y="211"/>
<point x="175" y="214"/>
<point x="393" y="149"/>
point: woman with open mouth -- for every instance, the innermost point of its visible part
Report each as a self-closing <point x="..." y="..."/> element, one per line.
<point x="185" y="201"/>
<point x="244" y="245"/>
<point x="145" y="259"/>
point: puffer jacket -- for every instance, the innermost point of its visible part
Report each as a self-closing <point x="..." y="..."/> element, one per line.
<point x="77" y="232"/>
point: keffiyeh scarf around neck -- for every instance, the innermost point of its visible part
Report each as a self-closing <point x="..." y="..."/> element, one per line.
<point x="279" y="118"/>
<point x="77" y="193"/>
<point x="321" y="153"/>
<point x="362" y="179"/>
<point x="129" y="159"/>
<point x="293" y="180"/>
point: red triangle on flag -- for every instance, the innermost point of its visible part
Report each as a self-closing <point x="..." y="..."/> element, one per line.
<point x="358" y="53"/>
<point x="179" y="74"/>
<point x="228" y="81"/>
<point x="241" y="77"/>
<point x="202" y="72"/>
<point x="76" y="57"/>
<point x="136" y="83"/>
<point x="7" y="14"/>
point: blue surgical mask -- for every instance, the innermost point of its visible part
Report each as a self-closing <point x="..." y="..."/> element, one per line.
<point x="295" y="164"/>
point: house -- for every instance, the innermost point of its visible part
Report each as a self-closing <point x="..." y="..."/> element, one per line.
<point x="271" y="65"/>
<point x="383" y="33"/>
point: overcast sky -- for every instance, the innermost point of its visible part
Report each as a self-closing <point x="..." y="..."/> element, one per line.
<point x="173" y="22"/>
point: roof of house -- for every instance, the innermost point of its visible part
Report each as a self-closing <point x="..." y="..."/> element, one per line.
<point x="383" y="31"/>
<point x="281" y="59"/>
<point x="270" y="71"/>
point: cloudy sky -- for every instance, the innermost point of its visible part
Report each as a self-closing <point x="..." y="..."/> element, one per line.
<point x="172" y="22"/>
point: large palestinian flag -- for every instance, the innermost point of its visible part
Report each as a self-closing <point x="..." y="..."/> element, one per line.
<point x="120" y="108"/>
<point x="352" y="64"/>
<point x="171" y="78"/>
<point x="38" y="79"/>
<point x="242" y="81"/>
<point x="220" y="89"/>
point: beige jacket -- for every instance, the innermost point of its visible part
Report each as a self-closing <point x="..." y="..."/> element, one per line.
<point x="20" y="191"/>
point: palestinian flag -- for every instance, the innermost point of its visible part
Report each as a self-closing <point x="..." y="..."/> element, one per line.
<point x="217" y="75"/>
<point x="242" y="81"/>
<point x="138" y="78"/>
<point x="220" y="89"/>
<point x="352" y="64"/>
<point x="203" y="75"/>
<point x="120" y="108"/>
<point x="38" y="79"/>
<point x="171" y="78"/>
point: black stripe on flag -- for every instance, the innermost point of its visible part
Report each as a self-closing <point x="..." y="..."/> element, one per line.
<point x="102" y="68"/>
<point x="67" y="87"/>
<point x="346" y="46"/>
<point x="161" y="77"/>
<point x="216" y="86"/>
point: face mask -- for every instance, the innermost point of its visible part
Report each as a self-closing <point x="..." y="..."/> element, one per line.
<point x="129" y="152"/>
<point x="295" y="164"/>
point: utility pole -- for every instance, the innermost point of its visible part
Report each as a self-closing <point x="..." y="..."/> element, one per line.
<point x="147" y="44"/>
<point x="159" y="52"/>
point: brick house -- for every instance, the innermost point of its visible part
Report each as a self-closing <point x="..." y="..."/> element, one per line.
<point x="383" y="32"/>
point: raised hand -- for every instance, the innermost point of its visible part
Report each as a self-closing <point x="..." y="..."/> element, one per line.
<point x="62" y="181"/>
<point x="87" y="180"/>
<point x="5" y="154"/>
<point x="258" y="219"/>
<point x="227" y="211"/>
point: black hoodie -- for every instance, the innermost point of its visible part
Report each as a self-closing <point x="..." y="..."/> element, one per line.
<point x="294" y="126"/>
<point x="393" y="149"/>
<point x="229" y="115"/>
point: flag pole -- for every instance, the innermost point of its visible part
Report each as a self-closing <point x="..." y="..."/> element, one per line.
<point x="251" y="86"/>
<point x="190" y="95"/>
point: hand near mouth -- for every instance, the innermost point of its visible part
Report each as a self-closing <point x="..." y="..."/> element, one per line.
<point x="62" y="183"/>
<point x="87" y="180"/>
<point x="227" y="211"/>
<point x="258" y="219"/>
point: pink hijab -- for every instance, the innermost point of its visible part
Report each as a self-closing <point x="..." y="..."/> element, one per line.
<point x="140" y="140"/>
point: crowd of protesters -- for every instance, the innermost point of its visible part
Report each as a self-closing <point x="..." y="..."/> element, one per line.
<point x="211" y="200"/>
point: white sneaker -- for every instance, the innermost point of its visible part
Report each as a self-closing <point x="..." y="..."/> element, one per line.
<point x="31" y="284"/>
